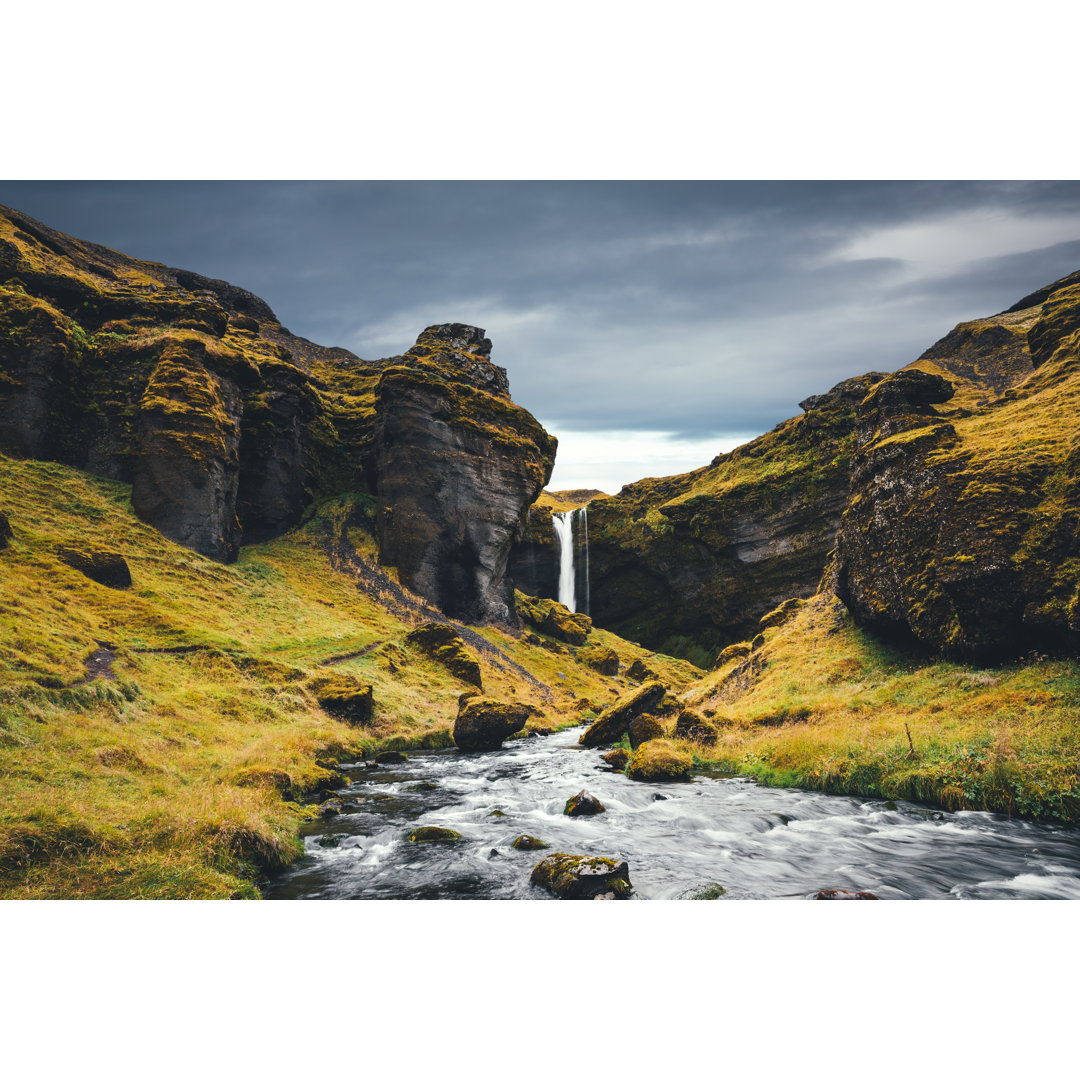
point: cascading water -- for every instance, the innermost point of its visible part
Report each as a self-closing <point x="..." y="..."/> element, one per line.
<point x="564" y="533"/>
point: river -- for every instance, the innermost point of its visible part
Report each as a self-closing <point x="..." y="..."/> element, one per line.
<point x="680" y="840"/>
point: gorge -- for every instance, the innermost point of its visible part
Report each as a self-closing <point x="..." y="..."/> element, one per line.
<point x="240" y="569"/>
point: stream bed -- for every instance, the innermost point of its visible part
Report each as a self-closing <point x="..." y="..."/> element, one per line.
<point x="680" y="840"/>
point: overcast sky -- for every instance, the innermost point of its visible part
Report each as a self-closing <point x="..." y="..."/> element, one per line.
<point x="648" y="325"/>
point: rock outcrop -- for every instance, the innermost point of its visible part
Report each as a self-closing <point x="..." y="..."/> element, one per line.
<point x="446" y="646"/>
<point x="483" y="723"/>
<point x="554" y="619"/>
<point x="962" y="532"/>
<point x="228" y="426"/>
<point x="345" y="697"/>
<point x="105" y="567"/>
<point x="5" y="530"/>
<point x="457" y="466"/>
<point x="611" y="724"/>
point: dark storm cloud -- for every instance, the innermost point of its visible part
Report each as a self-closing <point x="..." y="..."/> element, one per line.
<point x="695" y="308"/>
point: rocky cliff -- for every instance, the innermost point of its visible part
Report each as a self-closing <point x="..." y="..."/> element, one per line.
<point x="961" y="532"/>
<point x="686" y="564"/>
<point x="228" y="426"/>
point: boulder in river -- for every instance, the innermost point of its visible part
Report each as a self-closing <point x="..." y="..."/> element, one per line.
<point x="391" y="757"/>
<point x="642" y="729"/>
<point x="616" y="759"/>
<point x="660" y="760"/>
<point x="583" y="804"/>
<point x="527" y="843"/>
<point x="612" y="723"/>
<point x="483" y="723"/>
<point x="432" y="834"/>
<point x="845" y="894"/>
<point x="583" y="877"/>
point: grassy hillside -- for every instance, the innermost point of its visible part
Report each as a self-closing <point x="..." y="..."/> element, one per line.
<point x="181" y="769"/>
<point x="825" y="706"/>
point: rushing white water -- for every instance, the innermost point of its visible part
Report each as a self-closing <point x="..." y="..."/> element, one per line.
<point x="564" y="533"/>
<point x="681" y="840"/>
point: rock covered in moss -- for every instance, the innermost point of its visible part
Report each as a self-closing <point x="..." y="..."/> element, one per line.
<point x="640" y="670"/>
<point x="483" y="723"/>
<point x="732" y="652"/>
<point x="694" y="727"/>
<point x="432" y="834"/>
<point x="600" y="658"/>
<point x="344" y="697"/>
<point x="391" y="757"/>
<point x="5" y="530"/>
<point x="457" y="466"/>
<point x="554" y="619"/>
<point x="612" y="723"/>
<point x="616" y="759"/>
<point x="660" y="760"/>
<point x="782" y="614"/>
<point x="583" y="877"/>
<point x="642" y="729"/>
<point x="105" y="567"/>
<point x="445" y="646"/>
<point x="527" y="843"/>
<point x="583" y="805"/>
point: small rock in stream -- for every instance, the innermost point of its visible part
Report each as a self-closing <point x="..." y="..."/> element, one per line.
<point x="845" y="894"/>
<point x="583" y="803"/>
<point x="583" y="877"/>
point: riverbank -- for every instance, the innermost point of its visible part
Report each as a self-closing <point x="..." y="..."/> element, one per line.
<point x="824" y="706"/>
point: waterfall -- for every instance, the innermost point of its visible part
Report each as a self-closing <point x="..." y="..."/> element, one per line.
<point x="564" y="533"/>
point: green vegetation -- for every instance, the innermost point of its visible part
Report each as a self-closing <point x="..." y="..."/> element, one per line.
<point x="184" y="774"/>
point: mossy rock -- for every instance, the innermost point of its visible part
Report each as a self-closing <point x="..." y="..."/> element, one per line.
<point x="391" y="757"/>
<point x="344" y="697"/>
<point x="527" y="843"/>
<point x="694" y="727"/>
<point x="483" y="723"/>
<point x="600" y="658"/>
<point x="660" y="761"/>
<point x="5" y="530"/>
<point x="432" y="834"/>
<point x="732" y="652"/>
<point x="782" y="614"/>
<point x="104" y="567"/>
<point x="445" y="646"/>
<point x="616" y="759"/>
<point x="758" y="641"/>
<point x="554" y="619"/>
<point x="712" y="891"/>
<point x="642" y="729"/>
<point x="583" y="805"/>
<point x="640" y="670"/>
<point x="612" y="723"/>
<point x="259" y="776"/>
<point x="583" y="877"/>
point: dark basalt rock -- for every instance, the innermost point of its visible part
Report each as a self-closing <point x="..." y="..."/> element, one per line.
<point x="844" y="894"/>
<point x="391" y="757"/>
<point x="583" y="804"/>
<point x="432" y="834"/>
<point x="640" y="670"/>
<point x="105" y="567"/>
<point x="5" y="530"/>
<point x="331" y="808"/>
<point x="957" y="536"/>
<point x="445" y="645"/>
<point x="458" y="465"/>
<point x="483" y="724"/>
<point x="527" y="843"/>
<point x="583" y="877"/>
<point x="611" y="724"/>
<point x="345" y="697"/>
